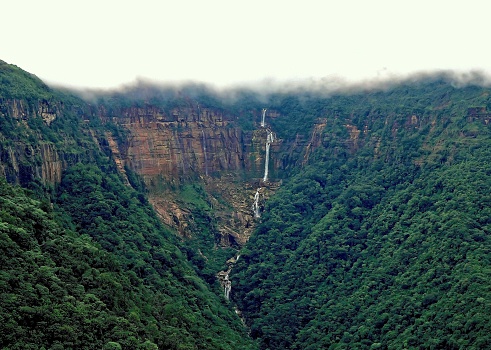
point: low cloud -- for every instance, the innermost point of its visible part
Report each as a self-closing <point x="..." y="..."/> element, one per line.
<point x="147" y="89"/>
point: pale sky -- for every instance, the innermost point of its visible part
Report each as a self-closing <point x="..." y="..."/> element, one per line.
<point x="105" y="43"/>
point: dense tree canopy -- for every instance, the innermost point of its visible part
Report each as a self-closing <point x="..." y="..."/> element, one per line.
<point x="85" y="263"/>
<point x="382" y="245"/>
<point x="378" y="236"/>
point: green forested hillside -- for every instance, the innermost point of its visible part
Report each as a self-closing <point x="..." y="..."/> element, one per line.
<point x="383" y="246"/>
<point x="128" y="285"/>
<point x="377" y="237"/>
<point x="85" y="263"/>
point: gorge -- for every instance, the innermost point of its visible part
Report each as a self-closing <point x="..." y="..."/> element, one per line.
<point x="361" y="216"/>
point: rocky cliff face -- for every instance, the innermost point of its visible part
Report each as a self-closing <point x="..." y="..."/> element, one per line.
<point x="21" y="162"/>
<point x="32" y="148"/>
<point x="185" y="143"/>
<point x="194" y="144"/>
<point x="16" y="165"/>
<point x="167" y="148"/>
<point x="171" y="147"/>
<point x="21" y="110"/>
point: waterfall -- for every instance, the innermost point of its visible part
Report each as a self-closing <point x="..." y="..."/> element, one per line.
<point x="227" y="287"/>
<point x="269" y="140"/>
<point x="255" y="208"/>
<point x="204" y="151"/>
<point x="262" y="119"/>
<point x="222" y="276"/>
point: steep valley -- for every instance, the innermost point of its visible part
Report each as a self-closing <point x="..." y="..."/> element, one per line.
<point x="195" y="146"/>
<point x="361" y="217"/>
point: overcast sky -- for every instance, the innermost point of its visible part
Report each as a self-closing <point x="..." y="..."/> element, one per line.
<point x="105" y="43"/>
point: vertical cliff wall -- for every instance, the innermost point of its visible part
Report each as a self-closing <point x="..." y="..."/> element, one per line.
<point x="192" y="143"/>
<point x="29" y="149"/>
<point x="167" y="147"/>
<point x="185" y="143"/>
<point x="188" y="144"/>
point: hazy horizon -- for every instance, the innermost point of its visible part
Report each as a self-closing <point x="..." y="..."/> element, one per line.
<point x="101" y="45"/>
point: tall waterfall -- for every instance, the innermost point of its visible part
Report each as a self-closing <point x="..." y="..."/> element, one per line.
<point x="204" y="152"/>
<point x="269" y="140"/>
<point x="263" y="124"/>
<point x="255" y="208"/>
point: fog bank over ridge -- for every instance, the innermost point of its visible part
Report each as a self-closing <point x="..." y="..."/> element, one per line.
<point x="144" y="88"/>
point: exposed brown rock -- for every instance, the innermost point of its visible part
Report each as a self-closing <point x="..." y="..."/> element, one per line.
<point x="168" y="148"/>
<point x="316" y="139"/>
<point x="171" y="213"/>
<point x="181" y="145"/>
<point x="48" y="112"/>
<point x="113" y="146"/>
<point x="205" y="145"/>
<point x="354" y="133"/>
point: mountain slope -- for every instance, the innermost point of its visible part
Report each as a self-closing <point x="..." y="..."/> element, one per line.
<point x="373" y="228"/>
<point x="382" y="241"/>
<point x="85" y="262"/>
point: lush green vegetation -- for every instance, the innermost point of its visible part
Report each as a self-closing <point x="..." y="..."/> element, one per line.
<point x="380" y="241"/>
<point x="86" y="264"/>
<point x="203" y="249"/>
<point x="54" y="282"/>
<point x="382" y="245"/>
<point x="115" y="277"/>
<point x="18" y="84"/>
<point x="171" y="301"/>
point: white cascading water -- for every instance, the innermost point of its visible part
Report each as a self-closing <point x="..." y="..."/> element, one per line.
<point x="255" y="207"/>
<point x="263" y="124"/>
<point x="204" y="151"/>
<point x="227" y="287"/>
<point x="269" y="140"/>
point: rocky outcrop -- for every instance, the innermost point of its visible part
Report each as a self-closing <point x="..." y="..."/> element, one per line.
<point x="171" y="213"/>
<point x="315" y="140"/>
<point x="187" y="143"/>
<point x="167" y="148"/>
<point x="354" y="135"/>
<point x="114" y="148"/>
<point x="232" y="201"/>
<point x="26" y="153"/>
<point x="22" y="162"/>
<point x="48" y="112"/>
<point x="21" y="110"/>
<point x="192" y="143"/>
